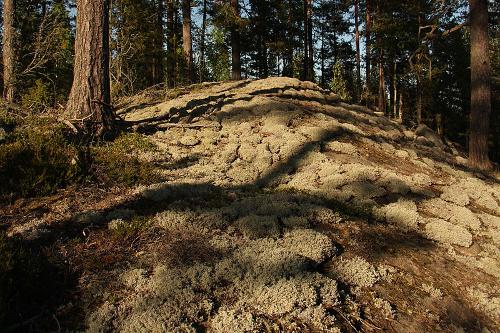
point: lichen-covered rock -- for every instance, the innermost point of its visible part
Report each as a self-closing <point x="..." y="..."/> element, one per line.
<point x="448" y="233"/>
<point x="189" y="141"/>
<point x="402" y="213"/>
<point x="301" y="242"/>
<point x="355" y="271"/>
<point x="456" y="195"/>
<point x="452" y="213"/>
<point x="255" y="226"/>
<point x="234" y="321"/>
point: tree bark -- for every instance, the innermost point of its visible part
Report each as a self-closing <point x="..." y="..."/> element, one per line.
<point x="368" y="44"/>
<point x="235" y="43"/>
<point x="381" y="87"/>
<point x="187" y="41"/>
<point x="158" y="59"/>
<point x="310" y="40"/>
<point x="306" y="75"/>
<point x="170" y="44"/>
<point x="9" y="51"/>
<point x="358" y="55"/>
<point x="202" y="42"/>
<point x="89" y="100"/>
<point x="480" y="86"/>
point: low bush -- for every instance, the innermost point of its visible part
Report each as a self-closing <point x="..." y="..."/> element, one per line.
<point x="39" y="155"/>
<point x="118" y="163"/>
<point x="37" y="158"/>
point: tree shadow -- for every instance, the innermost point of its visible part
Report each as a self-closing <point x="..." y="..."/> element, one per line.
<point x="207" y="197"/>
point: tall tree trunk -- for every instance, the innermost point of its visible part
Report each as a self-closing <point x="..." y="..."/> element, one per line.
<point x="202" y="42"/>
<point x="89" y="100"/>
<point x="395" y="88"/>
<point x="235" y="43"/>
<point x="368" y="44"/>
<point x="158" y="59"/>
<point x="480" y="86"/>
<point x="9" y="50"/>
<point x="171" y="63"/>
<point x="401" y="106"/>
<point x="186" y="40"/>
<point x="310" y="40"/>
<point x="381" y="87"/>
<point x="306" y="42"/>
<point x="358" y="55"/>
<point x="288" y="69"/>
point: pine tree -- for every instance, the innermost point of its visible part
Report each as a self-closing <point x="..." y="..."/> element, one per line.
<point x="480" y="86"/>
<point x="9" y="50"/>
<point x="89" y="101"/>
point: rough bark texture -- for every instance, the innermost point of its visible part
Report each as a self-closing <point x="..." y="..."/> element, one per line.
<point x="170" y="44"/>
<point x="310" y="40"/>
<point x="307" y="40"/>
<point x="187" y="43"/>
<point x="358" y="55"/>
<point x="235" y="44"/>
<point x="381" y="88"/>
<point x="368" y="43"/>
<point x="158" y="59"/>
<point x="9" y="50"/>
<point x="480" y="86"/>
<point x="89" y="100"/>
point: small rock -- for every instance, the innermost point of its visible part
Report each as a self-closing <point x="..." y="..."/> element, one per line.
<point x="429" y="134"/>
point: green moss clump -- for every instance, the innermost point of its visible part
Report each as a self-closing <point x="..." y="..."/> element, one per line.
<point x="117" y="162"/>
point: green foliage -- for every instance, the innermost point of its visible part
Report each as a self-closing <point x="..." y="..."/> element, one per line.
<point x="37" y="159"/>
<point x="131" y="229"/>
<point x="218" y="55"/>
<point x="339" y="84"/>
<point x="38" y="97"/>
<point x="117" y="162"/>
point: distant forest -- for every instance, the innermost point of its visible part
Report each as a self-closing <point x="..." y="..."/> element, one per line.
<point x="408" y="59"/>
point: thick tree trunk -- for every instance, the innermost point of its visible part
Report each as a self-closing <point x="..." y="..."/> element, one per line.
<point x="480" y="86"/>
<point x="170" y="44"/>
<point x="186" y="40"/>
<point x="358" y="55"/>
<point x="235" y="43"/>
<point x="202" y="42"/>
<point x="89" y="100"/>
<point x="368" y="44"/>
<point x="9" y="51"/>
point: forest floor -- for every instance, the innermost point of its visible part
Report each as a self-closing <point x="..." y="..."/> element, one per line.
<point x="282" y="210"/>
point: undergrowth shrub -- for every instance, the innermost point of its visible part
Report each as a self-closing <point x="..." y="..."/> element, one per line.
<point x="38" y="97"/>
<point x="39" y="155"/>
<point x="118" y="163"/>
<point x="37" y="158"/>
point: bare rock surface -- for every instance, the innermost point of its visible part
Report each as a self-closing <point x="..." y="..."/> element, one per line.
<point x="285" y="210"/>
